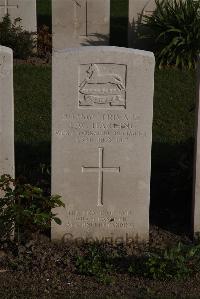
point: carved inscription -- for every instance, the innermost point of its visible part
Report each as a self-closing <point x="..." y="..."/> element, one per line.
<point x="99" y="218"/>
<point x="102" y="86"/>
<point x="101" y="128"/>
<point x="6" y="6"/>
<point x="100" y="170"/>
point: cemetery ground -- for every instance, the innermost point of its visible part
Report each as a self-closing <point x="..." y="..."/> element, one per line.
<point x="44" y="269"/>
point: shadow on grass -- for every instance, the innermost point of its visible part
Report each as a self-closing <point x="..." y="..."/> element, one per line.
<point x="33" y="162"/>
<point x="119" y="31"/>
<point x="171" y="186"/>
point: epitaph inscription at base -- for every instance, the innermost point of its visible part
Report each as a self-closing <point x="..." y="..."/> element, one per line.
<point x="101" y="150"/>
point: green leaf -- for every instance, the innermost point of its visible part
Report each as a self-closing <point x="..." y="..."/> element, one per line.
<point x="57" y="220"/>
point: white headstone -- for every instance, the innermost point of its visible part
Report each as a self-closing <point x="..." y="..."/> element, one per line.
<point x="80" y="22"/>
<point x="101" y="151"/>
<point x="23" y="9"/>
<point x="196" y="200"/>
<point x="6" y="112"/>
<point x="138" y="9"/>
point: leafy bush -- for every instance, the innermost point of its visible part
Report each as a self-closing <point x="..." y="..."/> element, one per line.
<point x="13" y="36"/>
<point x="25" y="208"/>
<point x="176" y="262"/>
<point x="44" y="42"/>
<point x="94" y="263"/>
<point x="175" y="28"/>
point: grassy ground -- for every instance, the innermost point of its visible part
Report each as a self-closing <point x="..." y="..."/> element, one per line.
<point x="44" y="12"/>
<point x="119" y="23"/>
<point x="172" y="151"/>
<point x="32" y="118"/>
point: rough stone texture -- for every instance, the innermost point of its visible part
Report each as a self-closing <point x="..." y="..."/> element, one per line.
<point x="196" y="201"/>
<point x="101" y="142"/>
<point x="24" y="9"/>
<point x="80" y="23"/>
<point x="6" y="112"/>
<point x="137" y="9"/>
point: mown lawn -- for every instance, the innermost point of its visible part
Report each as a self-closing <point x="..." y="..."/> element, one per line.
<point x="32" y="118"/>
<point x="44" y="12"/>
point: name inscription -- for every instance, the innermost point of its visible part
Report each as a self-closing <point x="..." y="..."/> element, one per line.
<point x="101" y="128"/>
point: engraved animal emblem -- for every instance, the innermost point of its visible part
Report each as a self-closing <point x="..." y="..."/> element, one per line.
<point x="94" y="76"/>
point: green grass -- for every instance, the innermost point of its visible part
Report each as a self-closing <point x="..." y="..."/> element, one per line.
<point x="119" y="23"/>
<point x="172" y="150"/>
<point x="44" y="7"/>
<point x="119" y="8"/>
<point x="44" y="12"/>
<point x="174" y="106"/>
<point x="32" y="117"/>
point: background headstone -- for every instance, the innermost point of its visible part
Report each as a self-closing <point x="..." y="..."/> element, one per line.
<point x="24" y="9"/>
<point x="196" y="201"/>
<point x="138" y="9"/>
<point x="6" y="112"/>
<point x="80" y="22"/>
<point x="101" y="142"/>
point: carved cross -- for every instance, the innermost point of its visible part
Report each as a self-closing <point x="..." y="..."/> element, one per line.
<point x="6" y="7"/>
<point x="100" y="170"/>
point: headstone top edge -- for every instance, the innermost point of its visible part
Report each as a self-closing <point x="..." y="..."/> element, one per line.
<point x="7" y="50"/>
<point x="105" y="48"/>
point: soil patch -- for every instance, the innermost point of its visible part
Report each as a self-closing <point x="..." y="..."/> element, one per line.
<point x="45" y="269"/>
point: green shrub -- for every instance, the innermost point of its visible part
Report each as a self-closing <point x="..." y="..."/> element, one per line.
<point x="25" y="208"/>
<point x="94" y="263"/>
<point x="13" y="36"/>
<point x="44" y="42"/>
<point x="177" y="262"/>
<point x="175" y="28"/>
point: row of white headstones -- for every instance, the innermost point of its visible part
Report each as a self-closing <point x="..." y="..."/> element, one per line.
<point x="76" y="22"/>
<point x="87" y="22"/>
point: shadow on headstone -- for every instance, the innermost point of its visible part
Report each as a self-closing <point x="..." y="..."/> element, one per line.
<point x="96" y="40"/>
